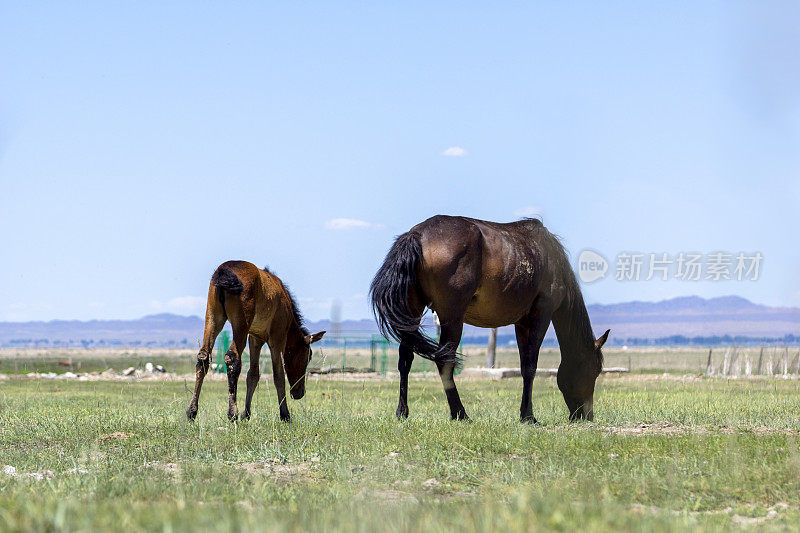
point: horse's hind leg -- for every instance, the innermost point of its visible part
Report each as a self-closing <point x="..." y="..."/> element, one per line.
<point x="240" y="324"/>
<point x="451" y="337"/>
<point x="233" y="361"/>
<point x="215" y="321"/>
<point x="253" y="374"/>
<point x="404" y="367"/>
<point x="406" y="353"/>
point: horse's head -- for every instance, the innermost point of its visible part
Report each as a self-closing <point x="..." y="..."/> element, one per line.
<point x="296" y="359"/>
<point x="576" y="378"/>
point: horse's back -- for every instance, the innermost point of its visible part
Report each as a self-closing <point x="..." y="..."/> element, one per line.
<point x="451" y="260"/>
<point x="491" y="269"/>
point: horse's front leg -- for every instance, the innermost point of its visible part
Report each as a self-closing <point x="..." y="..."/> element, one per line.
<point x="253" y="374"/>
<point x="404" y="367"/>
<point x="530" y="335"/>
<point x="279" y="379"/>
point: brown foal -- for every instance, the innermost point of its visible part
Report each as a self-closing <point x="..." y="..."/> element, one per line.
<point x="259" y="306"/>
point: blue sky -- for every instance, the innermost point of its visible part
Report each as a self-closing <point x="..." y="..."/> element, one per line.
<point x="141" y="145"/>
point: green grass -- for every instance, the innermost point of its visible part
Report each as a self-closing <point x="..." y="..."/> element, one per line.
<point x="345" y="463"/>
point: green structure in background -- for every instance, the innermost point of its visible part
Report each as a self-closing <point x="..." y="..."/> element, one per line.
<point x="223" y="344"/>
<point x="380" y="348"/>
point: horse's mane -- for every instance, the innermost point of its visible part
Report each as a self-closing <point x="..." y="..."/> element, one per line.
<point x="298" y="317"/>
<point x="577" y="326"/>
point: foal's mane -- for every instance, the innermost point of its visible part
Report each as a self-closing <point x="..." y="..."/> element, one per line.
<point x="298" y="317"/>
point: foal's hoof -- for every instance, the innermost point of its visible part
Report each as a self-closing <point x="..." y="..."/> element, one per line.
<point x="286" y="417"/>
<point x="191" y="413"/>
<point x="461" y="416"/>
<point x="402" y="412"/>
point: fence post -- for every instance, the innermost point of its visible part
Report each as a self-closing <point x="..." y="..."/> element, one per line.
<point x="708" y="364"/>
<point x="786" y="361"/>
<point x="725" y="362"/>
<point x="491" y="349"/>
<point x="760" y="356"/>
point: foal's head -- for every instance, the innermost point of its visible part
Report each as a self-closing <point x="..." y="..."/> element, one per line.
<point x="296" y="358"/>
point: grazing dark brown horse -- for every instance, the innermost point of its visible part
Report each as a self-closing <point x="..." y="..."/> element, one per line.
<point x="489" y="275"/>
<point x="257" y="304"/>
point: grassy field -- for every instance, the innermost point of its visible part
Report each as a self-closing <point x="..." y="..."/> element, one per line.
<point x="662" y="454"/>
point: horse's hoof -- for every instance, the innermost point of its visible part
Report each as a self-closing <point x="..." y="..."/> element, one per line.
<point x="402" y="413"/>
<point x="462" y="417"/>
<point x="286" y="417"/>
<point x="529" y="419"/>
<point x="191" y="414"/>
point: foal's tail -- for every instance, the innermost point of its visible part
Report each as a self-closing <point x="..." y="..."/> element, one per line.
<point x="226" y="280"/>
<point x="389" y="290"/>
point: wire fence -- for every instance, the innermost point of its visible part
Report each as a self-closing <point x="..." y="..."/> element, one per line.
<point x="771" y="361"/>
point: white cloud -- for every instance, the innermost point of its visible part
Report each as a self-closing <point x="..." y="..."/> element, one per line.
<point x="455" y="151"/>
<point x="194" y="305"/>
<point x="529" y="211"/>
<point x="23" y="311"/>
<point x="350" y="223"/>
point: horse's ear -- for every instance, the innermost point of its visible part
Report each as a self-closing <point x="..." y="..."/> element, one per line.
<point x="311" y="339"/>
<point x="601" y="340"/>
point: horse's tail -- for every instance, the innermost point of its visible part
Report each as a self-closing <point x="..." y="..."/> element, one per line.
<point x="389" y="290"/>
<point x="226" y="280"/>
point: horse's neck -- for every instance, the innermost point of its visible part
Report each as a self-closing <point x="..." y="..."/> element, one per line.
<point x="573" y="329"/>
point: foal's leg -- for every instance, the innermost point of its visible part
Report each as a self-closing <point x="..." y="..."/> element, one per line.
<point x="529" y="340"/>
<point x="233" y="358"/>
<point x="253" y="374"/>
<point x="451" y="336"/>
<point x="279" y="379"/>
<point x="215" y="321"/>
<point x="404" y="366"/>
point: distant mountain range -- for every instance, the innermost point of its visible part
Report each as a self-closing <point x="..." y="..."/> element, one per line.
<point x="679" y="319"/>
